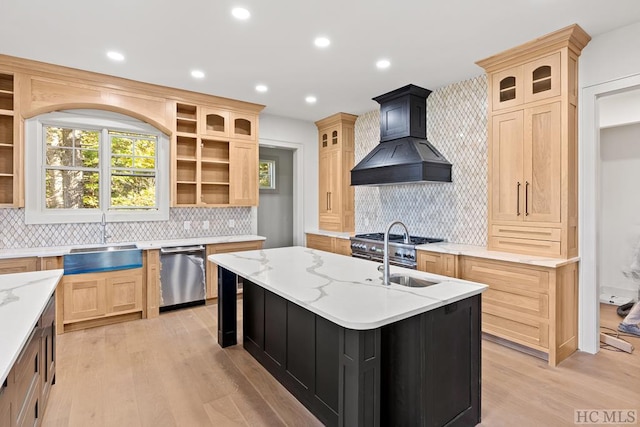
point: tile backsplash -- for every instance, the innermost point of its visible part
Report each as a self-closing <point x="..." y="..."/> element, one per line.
<point x="456" y="211"/>
<point x="14" y="233"/>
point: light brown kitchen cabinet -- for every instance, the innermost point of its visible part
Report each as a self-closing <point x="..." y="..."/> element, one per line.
<point x="336" y="140"/>
<point x="438" y="263"/>
<point x="221" y="248"/>
<point x="325" y="243"/>
<point x="94" y="299"/>
<point x="534" y="307"/>
<point x="215" y="157"/>
<point x="10" y="145"/>
<point x="51" y="263"/>
<point x="243" y="183"/>
<point x="151" y="261"/>
<point x="18" y="265"/>
<point x="533" y="152"/>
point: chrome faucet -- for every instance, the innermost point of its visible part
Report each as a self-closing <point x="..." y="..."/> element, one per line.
<point x="103" y="223"/>
<point x="386" y="275"/>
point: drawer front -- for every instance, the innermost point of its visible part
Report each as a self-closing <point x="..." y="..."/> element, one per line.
<point x="507" y="277"/>
<point x="529" y="233"/>
<point x="343" y="246"/>
<point x="525" y="246"/>
<point x="522" y="330"/>
<point x="525" y="302"/>
<point x="27" y="372"/>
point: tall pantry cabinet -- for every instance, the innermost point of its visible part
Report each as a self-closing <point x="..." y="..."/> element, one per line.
<point x="533" y="151"/>
<point x="336" y="158"/>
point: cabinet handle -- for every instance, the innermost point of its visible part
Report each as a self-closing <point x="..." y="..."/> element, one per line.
<point x="518" y="199"/>
<point x="329" y="200"/>
<point x="526" y="198"/>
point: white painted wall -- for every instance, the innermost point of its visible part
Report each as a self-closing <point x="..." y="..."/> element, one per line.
<point x="620" y="109"/>
<point x="302" y="136"/>
<point x="610" y="56"/>
<point x="619" y="236"/>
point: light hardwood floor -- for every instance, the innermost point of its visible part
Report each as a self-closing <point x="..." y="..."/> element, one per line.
<point x="170" y="371"/>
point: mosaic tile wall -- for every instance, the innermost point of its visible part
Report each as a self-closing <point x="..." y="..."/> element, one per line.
<point x="456" y="211"/>
<point x="14" y="233"/>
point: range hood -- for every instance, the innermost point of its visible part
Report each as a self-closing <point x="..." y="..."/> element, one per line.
<point x="404" y="155"/>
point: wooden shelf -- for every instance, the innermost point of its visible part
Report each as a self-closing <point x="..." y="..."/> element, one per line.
<point x="4" y="112"/>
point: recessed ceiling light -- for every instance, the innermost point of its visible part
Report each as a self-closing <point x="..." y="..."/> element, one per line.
<point x="116" y="56"/>
<point x="322" y="42"/>
<point x="311" y="99"/>
<point x="240" y="13"/>
<point x="262" y="88"/>
<point x="197" y="74"/>
<point x="383" y="63"/>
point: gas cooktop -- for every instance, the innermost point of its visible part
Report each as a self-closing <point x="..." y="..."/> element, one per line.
<point x="398" y="238"/>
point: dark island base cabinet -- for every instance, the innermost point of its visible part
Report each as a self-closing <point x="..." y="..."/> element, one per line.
<point x="422" y="371"/>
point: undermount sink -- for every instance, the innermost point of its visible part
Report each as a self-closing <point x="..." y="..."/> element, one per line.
<point x="102" y="258"/>
<point x="411" y="282"/>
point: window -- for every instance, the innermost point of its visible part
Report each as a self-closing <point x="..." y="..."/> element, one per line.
<point x="267" y="174"/>
<point x="84" y="163"/>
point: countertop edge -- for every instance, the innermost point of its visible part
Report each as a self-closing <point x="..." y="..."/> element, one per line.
<point x="337" y="234"/>
<point x="483" y="252"/>
<point x="51" y="251"/>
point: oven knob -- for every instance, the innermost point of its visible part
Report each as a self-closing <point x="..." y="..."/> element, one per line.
<point x="409" y="256"/>
<point x="398" y="254"/>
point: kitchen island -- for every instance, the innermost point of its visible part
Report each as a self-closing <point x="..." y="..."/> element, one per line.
<point x="353" y="351"/>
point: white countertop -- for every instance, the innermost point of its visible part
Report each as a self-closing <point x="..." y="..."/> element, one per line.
<point x="482" y="252"/>
<point x="347" y="291"/>
<point x="338" y="234"/>
<point x="155" y="244"/>
<point x="23" y="297"/>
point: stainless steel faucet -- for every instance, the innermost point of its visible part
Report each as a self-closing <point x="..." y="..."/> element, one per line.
<point x="386" y="275"/>
<point x="103" y="223"/>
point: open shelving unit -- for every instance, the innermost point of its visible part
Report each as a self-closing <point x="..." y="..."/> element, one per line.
<point x="7" y="147"/>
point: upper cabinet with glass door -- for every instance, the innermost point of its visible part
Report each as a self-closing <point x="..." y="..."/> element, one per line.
<point x="221" y="123"/>
<point x="533" y="81"/>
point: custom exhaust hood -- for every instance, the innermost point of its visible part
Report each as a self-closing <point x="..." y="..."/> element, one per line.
<point x="403" y="155"/>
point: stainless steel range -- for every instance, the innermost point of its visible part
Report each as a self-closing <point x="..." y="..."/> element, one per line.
<point x="371" y="246"/>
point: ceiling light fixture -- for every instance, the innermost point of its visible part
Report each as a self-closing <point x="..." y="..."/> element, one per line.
<point x="240" y="13"/>
<point x="116" y="56"/>
<point x="383" y="63"/>
<point x="197" y="74"/>
<point x="262" y="88"/>
<point x="311" y="99"/>
<point x="322" y="42"/>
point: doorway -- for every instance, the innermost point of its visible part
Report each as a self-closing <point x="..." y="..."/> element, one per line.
<point x="597" y="113"/>
<point x="276" y="209"/>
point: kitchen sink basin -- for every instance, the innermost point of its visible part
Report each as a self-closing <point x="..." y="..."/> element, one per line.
<point x="411" y="282"/>
<point x="102" y="258"/>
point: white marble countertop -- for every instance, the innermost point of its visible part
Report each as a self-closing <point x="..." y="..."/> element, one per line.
<point x="347" y="291"/>
<point x="154" y="244"/>
<point x="482" y="252"/>
<point x="339" y="235"/>
<point x="23" y="297"/>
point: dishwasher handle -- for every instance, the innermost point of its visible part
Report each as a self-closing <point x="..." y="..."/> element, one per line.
<point x="182" y="249"/>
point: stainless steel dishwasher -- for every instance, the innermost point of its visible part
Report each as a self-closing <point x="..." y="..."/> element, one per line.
<point x="182" y="276"/>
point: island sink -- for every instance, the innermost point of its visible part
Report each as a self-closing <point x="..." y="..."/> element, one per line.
<point x="410" y="282"/>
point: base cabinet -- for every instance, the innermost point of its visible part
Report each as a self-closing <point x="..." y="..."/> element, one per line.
<point x="329" y="244"/>
<point x="24" y="394"/>
<point x="438" y="263"/>
<point x="101" y="298"/>
<point x="221" y="248"/>
<point x="400" y="374"/>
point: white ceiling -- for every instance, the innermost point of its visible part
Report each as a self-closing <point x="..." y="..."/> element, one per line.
<point x="429" y="43"/>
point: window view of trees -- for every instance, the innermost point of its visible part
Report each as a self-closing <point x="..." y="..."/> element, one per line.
<point x="73" y="170"/>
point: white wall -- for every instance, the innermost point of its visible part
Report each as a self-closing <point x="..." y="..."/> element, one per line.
<point x="278" y="131"/>
<point x="611" y="56"/>
<point x="620" y="211"/>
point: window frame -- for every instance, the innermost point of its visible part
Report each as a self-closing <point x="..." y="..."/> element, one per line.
<point x="103" y="121"/>
<point x="272" y="162"/>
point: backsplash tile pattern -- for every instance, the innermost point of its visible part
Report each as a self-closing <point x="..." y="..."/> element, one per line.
<point x="456" y="211"/>
<point x="14" y="233"/>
